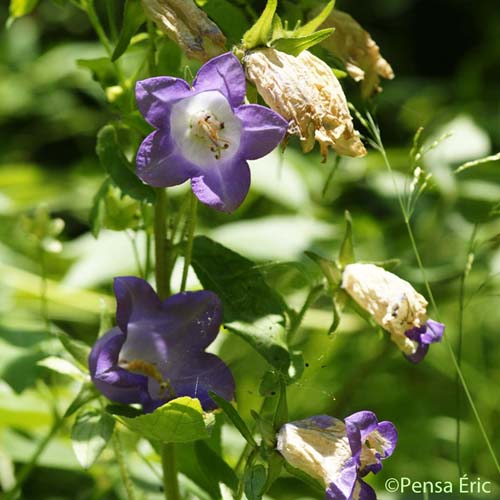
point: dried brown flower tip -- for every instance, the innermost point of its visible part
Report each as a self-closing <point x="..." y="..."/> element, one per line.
<point x="305" y="92"/>
<point x="359" y="52"/>
<point x="189" y="26"/>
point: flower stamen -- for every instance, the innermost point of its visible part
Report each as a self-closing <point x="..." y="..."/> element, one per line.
<point x="150" y="370"/>
<point x="208" y="127"/>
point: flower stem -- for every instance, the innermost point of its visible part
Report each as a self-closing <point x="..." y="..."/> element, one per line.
<point x="127" y="482"/>
<point x="190" y="237"/>
<point x="160" y="228"/>
<point x="169" y="466"/>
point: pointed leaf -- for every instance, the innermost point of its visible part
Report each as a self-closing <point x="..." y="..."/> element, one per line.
<point x="330" y="269"/>
<point x="252" y="309"/>
<point x="295" y="45"/>
<point x="90" y="434"/>
<point x="255" y="481"/>
<point x="76" y="348"/>
<point x="346" y="253"/>
<point x="179" y="421"/>
<point x="260" y="33"/>
<point x="310" y="27"/>
<point x="20" y="8"/>
<point x="133" y="17"/>
<point x="118" y="167"/>
<point x="214" y="467"/>
<point x="87" y="393"/>
<point x="102" y="70"/>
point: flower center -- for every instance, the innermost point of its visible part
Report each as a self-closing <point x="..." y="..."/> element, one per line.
<point x="150" y="370"/>
<point x="205" y="128"/>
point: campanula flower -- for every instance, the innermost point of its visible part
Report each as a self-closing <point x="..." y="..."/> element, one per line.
<point x="157" y="350"/>
<point x="395" y="305"/>
<point x="205" y="133"/>
<point x="339" y="453"/>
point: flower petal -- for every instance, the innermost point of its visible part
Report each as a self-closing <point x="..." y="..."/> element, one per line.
<point x="342" y="487"/>
<point x="263" y="130"/>
<point x="135" y="301"/>
<point x="225" y="74"/>
<point x="428" y="334"/>
<point x="387" y="436"/>
<point x="223" y="187"/>
<point x="363" y="491"/>
<point x="159" y="164"/>
<point x="195" y="317"/>
<point x="358" y="426"/>
<point x="204" y="373"/>
<point x="156" y="95"/>
<point x="114" y="382"/>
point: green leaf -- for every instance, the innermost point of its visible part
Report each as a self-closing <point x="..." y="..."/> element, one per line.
<point x="235" y="418"/>
<point x="336" y="318"/>
<point x="346" y="253"/>
<point x="77" y="349"/>
<point x="260" y="33"/>
<point x="214" y="467"/>
<point x="118" y="167"/>
<point x="330" y="269"/>
<point x="281" y="412"/>
<point x="310" y="27"/>
<point x="91" y="432"/>
<point x="255" y="481"/>
<point x="275" y="464"/>
<point x="295" y="45"/>
<point x="20" y="8"/>
<point x="102" y="69"/>
<point x="133" y="17"/>
<point x="252" y="309"/>
<point x="178" y="421"/>
<point x="62" y="366"/>
<point x="87" y="393"/>
<point x="96" y="217"/>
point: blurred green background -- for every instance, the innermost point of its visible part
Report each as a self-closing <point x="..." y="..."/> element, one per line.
<point x="446" y="57"/>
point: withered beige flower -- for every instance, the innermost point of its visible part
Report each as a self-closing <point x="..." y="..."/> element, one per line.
<point x="188" y="26"/>
<point x="304" y="90"/>
<point x="359" y="52"/>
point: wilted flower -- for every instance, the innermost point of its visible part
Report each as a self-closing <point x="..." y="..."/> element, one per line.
<point x="204" y="133"/>
<point x="356" y="48"/>
<point x="157" y="351"/>
<point x="188" y="26"/>
<point x="305" y="91"/>
<point x="339" y="453"/>
<point x="395" y="305"/>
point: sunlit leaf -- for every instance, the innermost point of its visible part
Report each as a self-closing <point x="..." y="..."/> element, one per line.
<point x="310" y="27"/>
<point x="295" y="45"/>
<point x="260" y="33"/>
<point x="133" y="17"/>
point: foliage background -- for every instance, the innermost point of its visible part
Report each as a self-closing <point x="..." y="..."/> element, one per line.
<point x="445" y="55"/>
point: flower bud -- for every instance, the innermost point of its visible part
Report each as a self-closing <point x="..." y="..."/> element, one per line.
<point x="395" y="305"/>
<point x="189" y="26"/>
<point x="359" y="52"/>
<point x="304" y="90"/>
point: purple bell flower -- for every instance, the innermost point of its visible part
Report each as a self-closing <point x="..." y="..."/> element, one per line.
<point x="205" y="133"/>
<point x="339" y="454"/>
<point x="157" y="351"/>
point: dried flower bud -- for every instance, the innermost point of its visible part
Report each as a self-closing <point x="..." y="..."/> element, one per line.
<point x="188" y="26"/>
<point x="359" y="52"/>
<point x="305" y="91"/>
<point x="395" y="305"/>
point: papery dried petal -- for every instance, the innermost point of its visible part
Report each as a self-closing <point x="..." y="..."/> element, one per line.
<point x="304" y="90"/>
<point x="359" y="52"/>
<point x="188" y="26"/>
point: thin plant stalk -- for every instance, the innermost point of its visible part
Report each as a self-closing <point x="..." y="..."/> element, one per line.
<point x="127" y="481"/>
<point x="190" y="237"/>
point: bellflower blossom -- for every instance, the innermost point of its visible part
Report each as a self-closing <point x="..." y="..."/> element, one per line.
<point x="396" y="306"/>
<point x="205" y="133"/>
<point x="339" y="453"/>
<point x="157" y="350"/>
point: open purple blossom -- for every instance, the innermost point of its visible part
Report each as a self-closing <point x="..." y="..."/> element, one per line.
<point x="157" y="350"/>
<point x="339" y="454"/>
<point x="205" y="133"/>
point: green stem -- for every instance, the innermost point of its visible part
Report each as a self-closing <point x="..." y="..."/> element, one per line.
<point x="27" y="468"/>
<point x="190" y="237"/>
<point x="160" y="228"/>
<point x="169" y="466"/>
<point x="311" y="298"/>
<point x="44" y="304"/>
<point x="127" y="481"/>
<point x="96" y="24"/>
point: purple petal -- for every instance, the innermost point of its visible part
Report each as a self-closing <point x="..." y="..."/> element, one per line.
<point x="195" y="317"/>
<point x="225" y="74"/>
<point x="358" y="426"/>
<point x="135" y="301"/>
<point x="323" y="421"/>
<point x="159" y="164"/>
<point x="201" y="375"/>
<point x="363" y="491"/>
<point x="112" y="381"/>
<point x="389" y="437"/>
<point x="343" y="486"/>
<point x="428" y="334"/>
<point x="263" y="130"/>
<point x="223" y="187"/>
<point x="155" y="96"/>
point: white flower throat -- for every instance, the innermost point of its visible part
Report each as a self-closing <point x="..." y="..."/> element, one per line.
<point x="205" y="128"/>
